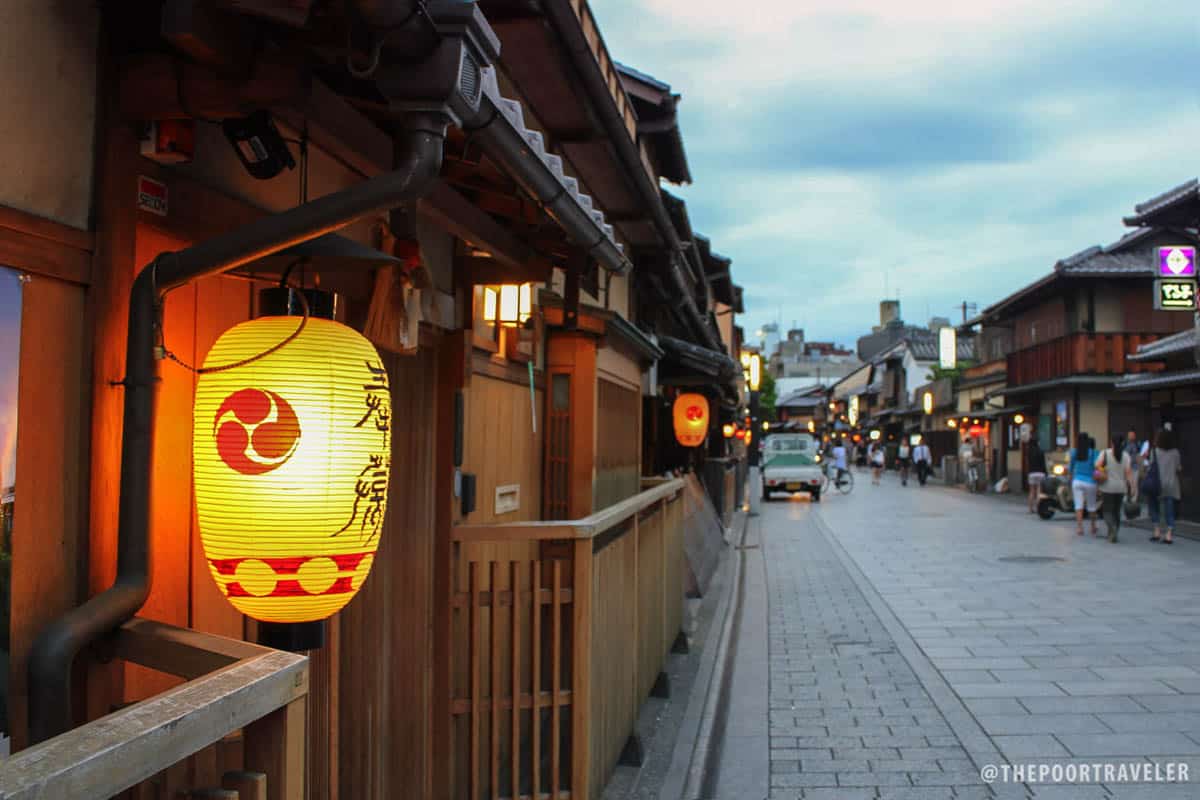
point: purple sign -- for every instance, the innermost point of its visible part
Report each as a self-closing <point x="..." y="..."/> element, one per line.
<point x="1177" y="262"/>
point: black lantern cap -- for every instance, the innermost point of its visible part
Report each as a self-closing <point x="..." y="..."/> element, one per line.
<point x="295" y="637"/>
<point x="285" y="301"/>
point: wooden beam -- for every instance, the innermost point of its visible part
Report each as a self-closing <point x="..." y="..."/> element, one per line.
<point x="458" y="215"/>
<point x="162" y="86"/>
<point x="106" y="757"/>
<point x="492" y="270"/>
<point x="275" y="747"/>
<point x="180" y="651"/>
<point x="340" y="130"/>
<point x="219" y="39"/>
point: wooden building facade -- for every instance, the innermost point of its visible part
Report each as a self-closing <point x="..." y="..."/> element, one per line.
<point x="537" y="505"/>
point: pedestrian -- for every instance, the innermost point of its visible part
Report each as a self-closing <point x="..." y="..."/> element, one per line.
<point x="1166" y="463"/>
<point x="903" y="456"/>
<point x="1114" y="471"/>
<point x="1083" y="483"/>
<point x="1037" y="472"/>
<point x="1133" y="448"/>
<point x="875" y="454"/>
<point x="924" y="461"/>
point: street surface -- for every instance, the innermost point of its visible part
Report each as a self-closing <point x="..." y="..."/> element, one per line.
<point x="894" y="642"/>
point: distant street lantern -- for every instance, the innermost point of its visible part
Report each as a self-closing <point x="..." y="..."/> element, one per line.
<point x="927" y="402"/>
<point x="948" y="348"/>
<point x="728" y="430"/>
<point x="691" y="419"/>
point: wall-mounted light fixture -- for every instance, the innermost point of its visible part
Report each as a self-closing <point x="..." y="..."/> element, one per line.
<point x="1019" y="419"/>
<point x="508" y="305"/>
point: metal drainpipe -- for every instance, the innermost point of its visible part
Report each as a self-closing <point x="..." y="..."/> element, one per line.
<point x="566" y="24"/>
<point x="506" y="145"/>
<point x="53" y="654"/>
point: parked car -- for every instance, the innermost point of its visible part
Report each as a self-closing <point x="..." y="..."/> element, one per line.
<point x="790" y="464"/>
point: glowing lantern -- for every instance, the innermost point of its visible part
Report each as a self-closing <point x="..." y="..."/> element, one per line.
<point x="747" y="435"/>
<point x="728" y="430"/>
<point x="691" y="419"/>
<point x="927" y="402"/>
<point x="952" y="423"/>
<point x="754" y="372"/>
<point x="766" y="425"/>
<point x="1019" y="419"/>
<point x="509" y="305"/>
<point x="812" y="426"/>
<point x="292" y="454"/>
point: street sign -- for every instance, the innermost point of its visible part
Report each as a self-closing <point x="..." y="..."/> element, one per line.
<point x="1175" y="294"/>
<point x="1177" y="262"/>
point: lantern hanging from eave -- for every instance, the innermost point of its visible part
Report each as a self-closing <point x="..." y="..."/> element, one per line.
<point x="292" y="455"/>
<point x="691" y="419"/>
<point x="728" y="430"/>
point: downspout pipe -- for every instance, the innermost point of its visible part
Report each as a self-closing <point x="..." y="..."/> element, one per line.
<point x="505" y="144"/>
<point x="563" y="18"/>
<point x="418" y="161"/>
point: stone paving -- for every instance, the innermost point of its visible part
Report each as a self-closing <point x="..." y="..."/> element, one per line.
<point x="901" y="639"/>
<point x="1093" y="657"/>
<point x="848" y="716"/>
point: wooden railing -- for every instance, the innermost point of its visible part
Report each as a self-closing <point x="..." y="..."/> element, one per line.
<point x="560" y="632"/>
<point x="1079" y="354"/>
<point x="234" y="689"/>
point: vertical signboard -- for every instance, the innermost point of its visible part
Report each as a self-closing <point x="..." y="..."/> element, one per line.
<point x="947" y="348"/>
<point x="10" y="336"/>
<point x="1062" y="424"/>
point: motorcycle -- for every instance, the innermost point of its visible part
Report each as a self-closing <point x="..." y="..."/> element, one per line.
<point x="1055" y="494"/>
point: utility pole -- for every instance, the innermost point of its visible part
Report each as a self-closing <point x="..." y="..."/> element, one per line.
<point x="972" y="307"/>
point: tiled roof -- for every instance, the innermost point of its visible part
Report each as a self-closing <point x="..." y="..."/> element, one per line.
<point x="1182" y="192"/>
<point x="1181" y="342"/>
<point x="514" y="115"/>
<point x="1157" y="380"/>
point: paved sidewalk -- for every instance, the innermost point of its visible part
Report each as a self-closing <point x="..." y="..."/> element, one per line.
<point x="1064" y="649"/>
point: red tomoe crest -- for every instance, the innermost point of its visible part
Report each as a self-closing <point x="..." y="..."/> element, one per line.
<point x="694" y="413"/>
<point x="256" y="431"/>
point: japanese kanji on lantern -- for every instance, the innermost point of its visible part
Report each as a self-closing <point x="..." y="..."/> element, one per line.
<point x="292" y="457"/>
<point x="691" y="419"/>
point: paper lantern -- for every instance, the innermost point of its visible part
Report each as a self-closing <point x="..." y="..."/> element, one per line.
<point x="691" y="419"/>
<point x="509" y="305"/>
<point x="927" y="402"/>
<point x="728" y="430"/>
<point x="747" y="435"/>
<point x="292" y="455"/>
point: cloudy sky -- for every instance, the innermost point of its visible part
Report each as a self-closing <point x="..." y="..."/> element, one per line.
<point x="10" y="331"/>
<point x="949" y="150"/>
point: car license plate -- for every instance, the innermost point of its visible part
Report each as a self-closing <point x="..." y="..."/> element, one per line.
<point x="795" y="486"/>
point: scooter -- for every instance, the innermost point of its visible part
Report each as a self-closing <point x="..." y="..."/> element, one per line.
<point x="1055" y="494"/>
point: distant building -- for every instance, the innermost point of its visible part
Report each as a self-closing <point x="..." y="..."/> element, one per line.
<point x="769" y="334"/>
<point x="891" y="330"/>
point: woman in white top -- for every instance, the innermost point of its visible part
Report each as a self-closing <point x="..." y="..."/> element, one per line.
<point x="1117" y="467"/>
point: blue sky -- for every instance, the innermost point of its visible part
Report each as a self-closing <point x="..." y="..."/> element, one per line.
<point x="952" y="151"/>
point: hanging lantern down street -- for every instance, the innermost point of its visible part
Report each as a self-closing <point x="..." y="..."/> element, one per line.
<point x="292" y="454"/>
<point x="728" y="430"/>
<point x="691" y="419"/>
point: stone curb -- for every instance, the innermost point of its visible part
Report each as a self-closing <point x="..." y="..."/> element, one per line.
<point x="696" y="745"/>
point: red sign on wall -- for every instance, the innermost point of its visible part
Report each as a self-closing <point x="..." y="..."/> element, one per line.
<point x="152" y="196"/>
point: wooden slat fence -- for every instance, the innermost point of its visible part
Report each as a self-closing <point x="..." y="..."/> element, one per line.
<point x="560" y="632"/>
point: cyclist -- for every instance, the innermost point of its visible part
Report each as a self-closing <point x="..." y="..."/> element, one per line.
<point x="839" y="457"/>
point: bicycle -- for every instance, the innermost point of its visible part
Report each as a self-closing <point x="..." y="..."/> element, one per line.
<point x="844" y="484"/>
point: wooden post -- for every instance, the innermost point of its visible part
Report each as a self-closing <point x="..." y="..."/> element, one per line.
<point x="581" y="672"/>
<point x="275" y="747"/>
<point x="248" y="785"/>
